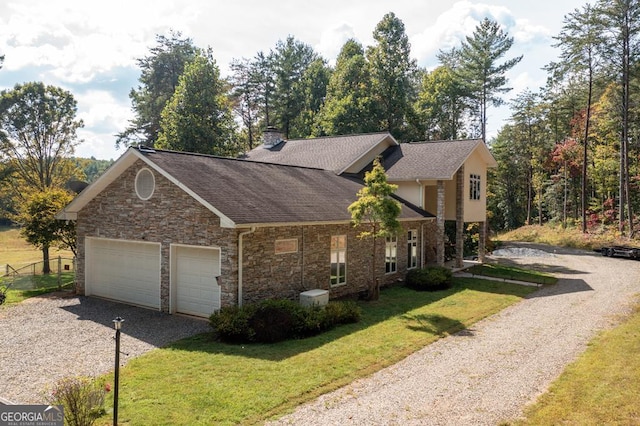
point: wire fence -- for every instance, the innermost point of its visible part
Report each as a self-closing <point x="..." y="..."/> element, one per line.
<point x="31" y="277"/>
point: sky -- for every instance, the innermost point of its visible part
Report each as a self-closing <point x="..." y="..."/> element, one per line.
<point x="90" y="47"/>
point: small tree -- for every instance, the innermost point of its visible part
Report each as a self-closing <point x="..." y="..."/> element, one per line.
<point x="378" y="212"/>
<point x="36" y="216"/>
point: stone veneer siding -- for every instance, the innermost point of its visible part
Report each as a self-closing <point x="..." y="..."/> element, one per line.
<point x="171" y="216"/>
<point x="269" y="275"/>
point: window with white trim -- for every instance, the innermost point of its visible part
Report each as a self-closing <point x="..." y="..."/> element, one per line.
<point x="412" y="249"/>
<point x="145" y="184"/>
<point x="338" y="260"/>
<point x="391" y="254"/>
<point x="474" y="187"/>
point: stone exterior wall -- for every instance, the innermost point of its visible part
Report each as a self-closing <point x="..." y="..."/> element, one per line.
<point x="171" y="216"/>
<point x="268" y="275"/>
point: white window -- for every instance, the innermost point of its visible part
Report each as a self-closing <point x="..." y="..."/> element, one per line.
<point x="391" y="254"/>
<point x="474" y="187"/>
<point x="412" y="249"/>
<point x="338" y="260"/>
<point x="145" y="184"/>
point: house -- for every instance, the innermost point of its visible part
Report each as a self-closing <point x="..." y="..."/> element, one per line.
<point x="447" y="178"/>
<point x="189" y="233"/>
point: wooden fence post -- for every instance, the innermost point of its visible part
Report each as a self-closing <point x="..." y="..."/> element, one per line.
<point x="59" y="273"/>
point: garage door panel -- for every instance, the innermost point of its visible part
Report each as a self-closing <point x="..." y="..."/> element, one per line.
<point x="124" y="270"/>
<point x="194" y="277"/>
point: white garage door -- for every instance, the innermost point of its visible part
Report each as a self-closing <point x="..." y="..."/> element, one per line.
<point x="126" y="271"/>
<point x="194" y="275"/>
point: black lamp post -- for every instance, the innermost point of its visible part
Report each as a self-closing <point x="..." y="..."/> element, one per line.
<point x="117" y="323"/>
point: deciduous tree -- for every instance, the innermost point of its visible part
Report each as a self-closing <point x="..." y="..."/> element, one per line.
<point x="393" y="75"/>
<point x="198" y="117"/>
<point x="36" y="216"/>
<point x="443" y="103"/>
<point x="378" y="212"/>
<point x="349" y="107"/>
<point x="38" y="133"/>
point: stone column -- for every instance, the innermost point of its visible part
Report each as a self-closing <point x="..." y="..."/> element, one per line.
<point x="460" y="217"/>
<point x="440" y="224"/>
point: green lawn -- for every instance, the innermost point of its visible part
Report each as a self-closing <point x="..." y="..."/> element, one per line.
<point x="512" y="273"/>
<point x="28" y="286"/>
<point x="601" y="387"/>
<point x="200" y="381"/>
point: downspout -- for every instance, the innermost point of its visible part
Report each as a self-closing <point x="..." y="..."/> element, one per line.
<point x="422" y="245"/>
<point x="240" y="255"/>
<point x="422" y="224"/>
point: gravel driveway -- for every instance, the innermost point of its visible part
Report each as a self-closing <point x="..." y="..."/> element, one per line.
<point x="50" y="337"/>
<point x="487" y="374"/>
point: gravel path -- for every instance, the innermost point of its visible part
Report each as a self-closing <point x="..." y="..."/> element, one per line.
<point x="47" y="338"/>
<point x="487" y="374"/>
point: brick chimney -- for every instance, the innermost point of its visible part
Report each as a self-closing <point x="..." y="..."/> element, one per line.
<point x="271" y="137"/>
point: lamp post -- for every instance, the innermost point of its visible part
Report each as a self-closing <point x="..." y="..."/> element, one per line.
<point x="117" y="323"/>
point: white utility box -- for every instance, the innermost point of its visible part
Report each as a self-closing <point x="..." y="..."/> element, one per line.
<point x="314" y="297"/>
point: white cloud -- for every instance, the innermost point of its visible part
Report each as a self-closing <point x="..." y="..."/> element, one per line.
<point x="101" y="114"/>
<point x="90" y="47"/>
<point x="332" y="40"/>
<point x="79" y="39"/>
<point x="452" y="26"/>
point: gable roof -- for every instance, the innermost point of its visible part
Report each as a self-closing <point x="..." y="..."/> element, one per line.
<point x="432" y="160"/>
<point x="335" y="153"/>
<point x="245" y="193"/>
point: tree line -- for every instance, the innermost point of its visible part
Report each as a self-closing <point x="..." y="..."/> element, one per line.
<point x="569" y="154"/>
<point x="183" y="103"/>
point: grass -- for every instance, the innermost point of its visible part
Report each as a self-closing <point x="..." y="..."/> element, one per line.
<point x="568" y="237"/>
<point x="201" y="381"/>
<point x="601" y="387"/>
<point x="29" y="286"/>
<point x="512" y="273"/>
<point x="15" y="251"/>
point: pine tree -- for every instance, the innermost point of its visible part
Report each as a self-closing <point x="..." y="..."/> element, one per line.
<point x="476" y="63"/>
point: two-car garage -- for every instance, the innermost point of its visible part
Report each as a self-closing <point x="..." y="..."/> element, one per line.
<point x="130" y="272"/>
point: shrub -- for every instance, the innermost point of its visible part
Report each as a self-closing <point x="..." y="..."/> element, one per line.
<point x="342" y="313"/>
<point x="431" y="278"/>
<point x="81" y="397"/>
<point x="276" y="320"/>
<point x="231" y="323"/>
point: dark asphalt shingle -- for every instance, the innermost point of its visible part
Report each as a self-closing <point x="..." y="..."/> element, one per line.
<point x="250" y="192"/>
<point x="333" y="153"/>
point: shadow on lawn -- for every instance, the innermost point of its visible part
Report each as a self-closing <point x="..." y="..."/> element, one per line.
<point x="394" y="302"/>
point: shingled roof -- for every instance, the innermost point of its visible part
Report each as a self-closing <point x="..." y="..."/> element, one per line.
<point x="247" y="193"/>
<point x="335" y="153"/>
<point x="431" y="160"/>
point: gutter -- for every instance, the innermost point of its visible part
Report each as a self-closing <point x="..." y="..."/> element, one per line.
<point x="240" y="256"/>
